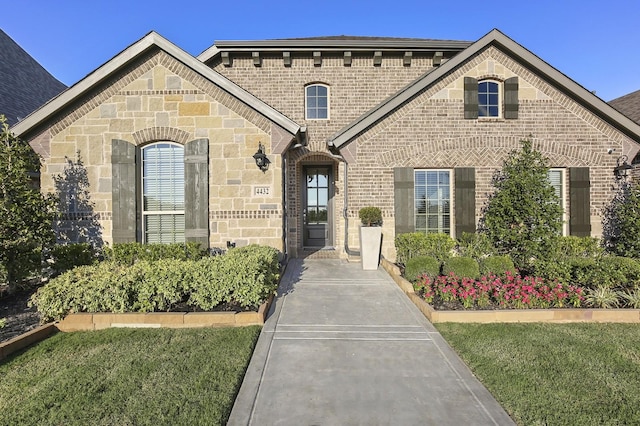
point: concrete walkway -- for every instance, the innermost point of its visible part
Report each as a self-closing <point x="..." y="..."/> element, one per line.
<point x="343" y="346"/>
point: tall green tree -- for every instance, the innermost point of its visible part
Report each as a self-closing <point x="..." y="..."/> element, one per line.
<point x="523" y="216"/>
<point x="25" y="213"/>
<point x="621" y="222"/>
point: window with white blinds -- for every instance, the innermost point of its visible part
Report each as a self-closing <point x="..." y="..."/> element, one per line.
<point x="556" y="178"/>
<point x="432" y="201"/>
<point x="163" y="193"/>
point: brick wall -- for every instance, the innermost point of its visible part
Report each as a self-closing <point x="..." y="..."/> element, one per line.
<point x="429" y="131"/>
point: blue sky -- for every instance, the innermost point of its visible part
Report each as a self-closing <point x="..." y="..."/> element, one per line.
<point x="595" y="42"/>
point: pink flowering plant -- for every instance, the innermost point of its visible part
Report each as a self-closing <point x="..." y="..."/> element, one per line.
<point x="494" y="292"/>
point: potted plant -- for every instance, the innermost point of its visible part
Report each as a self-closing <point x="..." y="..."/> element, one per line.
<point x="370" y="237"/>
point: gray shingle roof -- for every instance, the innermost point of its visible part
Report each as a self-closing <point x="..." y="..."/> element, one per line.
<point x="24" y="84"/>
<point x="629" y="105"/>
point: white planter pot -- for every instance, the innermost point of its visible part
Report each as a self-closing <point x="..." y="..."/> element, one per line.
<point x="370" y="243"/>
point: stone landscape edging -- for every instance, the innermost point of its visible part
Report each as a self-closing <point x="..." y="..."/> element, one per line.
<point x="98" y="321"/>
<point x="509" y="315"/>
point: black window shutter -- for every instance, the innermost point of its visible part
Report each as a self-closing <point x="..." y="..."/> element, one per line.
<point x="403" y="203"/>
<point x="511" y="98"/>
<point x="123" y="191"/>
<point x="465" y="199"/>
<point x="580" y="202"/>
<point x="470" y="98"/>
<point x="196" y="191"/>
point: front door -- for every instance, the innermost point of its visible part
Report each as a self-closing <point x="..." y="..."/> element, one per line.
<point x="316" y="214"/>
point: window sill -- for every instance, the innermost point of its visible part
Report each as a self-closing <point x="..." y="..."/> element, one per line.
<point x="491" y="119"/>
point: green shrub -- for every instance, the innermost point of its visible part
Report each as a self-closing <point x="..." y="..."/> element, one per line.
<point x="496" y="265"/>
<point x="621" y="222"/>
<point x="129" y="253"/>
<point x="103" y="287"/>
<point x="631" y="298"/>
<point x="246" y="276"/>
<point x="476" y="245"/>
<point x="584" y="270"/>
<point x="420" y="244"/>
<point x="68" y="256"/>
<point x="572" y="246"/>
<point x="550" y="268"/>
<point x="616" y="271"/>
<point x="606" y="271"/>
<point x="421" y="265"/>
<point x="162" y="284"/>
<point x="462" y="267"/>
<point x="602" y="297"/>
<point x="523" y="214"/>
<point x="370" y="216"/>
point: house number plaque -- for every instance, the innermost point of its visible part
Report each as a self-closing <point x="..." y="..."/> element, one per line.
<point x="262" y="191"/>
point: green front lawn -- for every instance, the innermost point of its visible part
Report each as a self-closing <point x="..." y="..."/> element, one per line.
<point x="555" y="374"/>
<point x="127" y="377"/>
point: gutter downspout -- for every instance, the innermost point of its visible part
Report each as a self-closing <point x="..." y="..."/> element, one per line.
<point x="345" y="215"/>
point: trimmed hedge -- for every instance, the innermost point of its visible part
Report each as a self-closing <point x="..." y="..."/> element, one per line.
<point x="476" y="245"/>
<point x="68" y="256"/>
<point x="497" y="265"/>
<point x="416" y="244"/>
<point x="420" y="266"/>
<point x="461" y="267"/>
<point x="129" y="253"/>
<point x="245" y="276"/>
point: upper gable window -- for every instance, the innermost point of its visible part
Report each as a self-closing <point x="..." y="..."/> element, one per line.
<point x="317" y="102"/>
<point x="491" y="98"/>
<point x="488" y="99"/>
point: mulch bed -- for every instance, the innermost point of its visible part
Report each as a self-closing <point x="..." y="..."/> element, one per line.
<point x="20" y="318"/>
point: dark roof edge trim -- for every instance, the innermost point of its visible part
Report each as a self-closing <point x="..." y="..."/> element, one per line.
<point x="149" y="41"/>
<point x="329" y="45"/>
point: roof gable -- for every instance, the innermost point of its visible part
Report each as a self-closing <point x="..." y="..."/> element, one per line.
<point x="24" y="83"/>
<point x="513" y="49"/>
<point x="131" y="53"/>
<point x="629" y="105"/>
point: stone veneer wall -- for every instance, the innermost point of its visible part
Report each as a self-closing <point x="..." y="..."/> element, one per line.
<point x="158" y="98"/>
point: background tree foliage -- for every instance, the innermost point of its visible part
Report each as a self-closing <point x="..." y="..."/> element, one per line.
<point x="25" y="213"/>
<point x="621" y="222"/>
<point x="523" y="216"/>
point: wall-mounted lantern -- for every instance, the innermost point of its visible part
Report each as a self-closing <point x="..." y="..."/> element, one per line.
<point x="261" y="158"/>
<point x="622" y="168"/>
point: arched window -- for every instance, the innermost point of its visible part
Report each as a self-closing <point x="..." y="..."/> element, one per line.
<point x="162" y="177"/>
<point x="491" y="98"/>
<point x="488" y="99"/>
<point x="317" y="102"/>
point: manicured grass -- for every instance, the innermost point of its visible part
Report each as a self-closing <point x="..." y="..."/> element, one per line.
<point x="127" y="377"/>
<point x="555" y="374"/>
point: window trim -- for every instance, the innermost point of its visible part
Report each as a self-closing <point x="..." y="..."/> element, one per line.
<point x="306" y="99"/>
<point x="451" y="213"/>
<point x="140" y="184"/>
<point x="499" y="85"/>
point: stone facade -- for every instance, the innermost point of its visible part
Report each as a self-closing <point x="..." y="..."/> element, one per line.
<point x="159" y="99"/>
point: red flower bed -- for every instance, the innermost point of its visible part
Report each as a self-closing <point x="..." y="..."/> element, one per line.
<point x="493" y="292"/>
